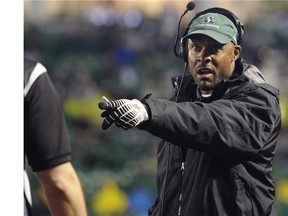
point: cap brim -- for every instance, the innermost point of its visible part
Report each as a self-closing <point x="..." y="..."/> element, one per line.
<point x="219" y="37"/>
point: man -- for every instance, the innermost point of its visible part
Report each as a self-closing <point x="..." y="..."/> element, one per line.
<point x="219" y="131"/>
<point x="47" y="147"/>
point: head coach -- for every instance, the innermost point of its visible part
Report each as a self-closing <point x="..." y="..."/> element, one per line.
<point x="218" y="132"/>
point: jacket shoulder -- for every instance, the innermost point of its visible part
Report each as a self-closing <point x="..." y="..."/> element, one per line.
<point x="257" y="79"/>
<point x="253" y="74"/>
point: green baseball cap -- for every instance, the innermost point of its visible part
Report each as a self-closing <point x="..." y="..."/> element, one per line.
<point x="214" y="25"/>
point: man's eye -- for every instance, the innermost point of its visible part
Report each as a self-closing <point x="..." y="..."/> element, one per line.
<point x="215" y="49"/>
<point x="197" y="48"/>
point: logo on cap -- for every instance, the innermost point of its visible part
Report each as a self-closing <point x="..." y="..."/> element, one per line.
<point x="208" y="20"/>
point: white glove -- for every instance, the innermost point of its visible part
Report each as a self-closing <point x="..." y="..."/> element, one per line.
<point x="124" y="113"/>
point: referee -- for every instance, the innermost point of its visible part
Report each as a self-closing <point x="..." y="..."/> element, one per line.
<point x="47" y="147"/>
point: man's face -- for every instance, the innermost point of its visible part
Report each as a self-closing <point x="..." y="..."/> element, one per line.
<point x="209" y="61"/>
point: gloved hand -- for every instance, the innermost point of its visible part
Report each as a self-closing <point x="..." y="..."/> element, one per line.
<point x="124" y="113"/>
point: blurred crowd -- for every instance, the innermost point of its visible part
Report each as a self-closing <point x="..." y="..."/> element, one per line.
<point x="101" y="53"/>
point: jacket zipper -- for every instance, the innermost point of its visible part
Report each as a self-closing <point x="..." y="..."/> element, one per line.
<point x="180" y="187"/>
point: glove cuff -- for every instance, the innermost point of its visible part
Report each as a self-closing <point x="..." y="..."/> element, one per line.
<point x="145" y="104"/>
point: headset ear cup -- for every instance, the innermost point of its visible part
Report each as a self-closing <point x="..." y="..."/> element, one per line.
<point x="240" y="32"/>
<point x="184" y="51"/>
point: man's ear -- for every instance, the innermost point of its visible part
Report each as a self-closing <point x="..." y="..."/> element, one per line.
<point x="237" y="51"/>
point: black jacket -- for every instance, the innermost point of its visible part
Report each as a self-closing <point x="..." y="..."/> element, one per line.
<point x="215" y="156"/>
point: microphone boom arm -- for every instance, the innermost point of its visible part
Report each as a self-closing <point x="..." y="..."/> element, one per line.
<point x="177" y="36"/>
<point x="190" y="6"/>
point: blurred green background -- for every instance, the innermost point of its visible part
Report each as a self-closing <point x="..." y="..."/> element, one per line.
<point x="124" y="49"/>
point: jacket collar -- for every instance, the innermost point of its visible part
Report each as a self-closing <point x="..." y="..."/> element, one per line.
<point x="244" y="73"/>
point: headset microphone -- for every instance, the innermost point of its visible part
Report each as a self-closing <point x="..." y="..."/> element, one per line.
<point x="177" y="81"/>
<point x="190" y="6"/>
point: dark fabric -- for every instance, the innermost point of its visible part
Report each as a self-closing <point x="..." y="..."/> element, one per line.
<point x="27" y="207"/>
<point x="229" y="141"/>
<point x="46" y="142"/>
<point x="29" y="65"/>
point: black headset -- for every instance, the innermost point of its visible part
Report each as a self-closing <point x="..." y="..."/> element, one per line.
<point x="240" y="28"/>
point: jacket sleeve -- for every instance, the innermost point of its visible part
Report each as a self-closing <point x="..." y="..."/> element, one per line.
<point x="243" y="123"/>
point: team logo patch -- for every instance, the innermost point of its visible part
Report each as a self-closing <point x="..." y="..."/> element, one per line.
<point x="208" y="20"/>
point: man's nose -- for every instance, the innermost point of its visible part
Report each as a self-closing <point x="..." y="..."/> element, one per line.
<point x="204" y="56"/>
